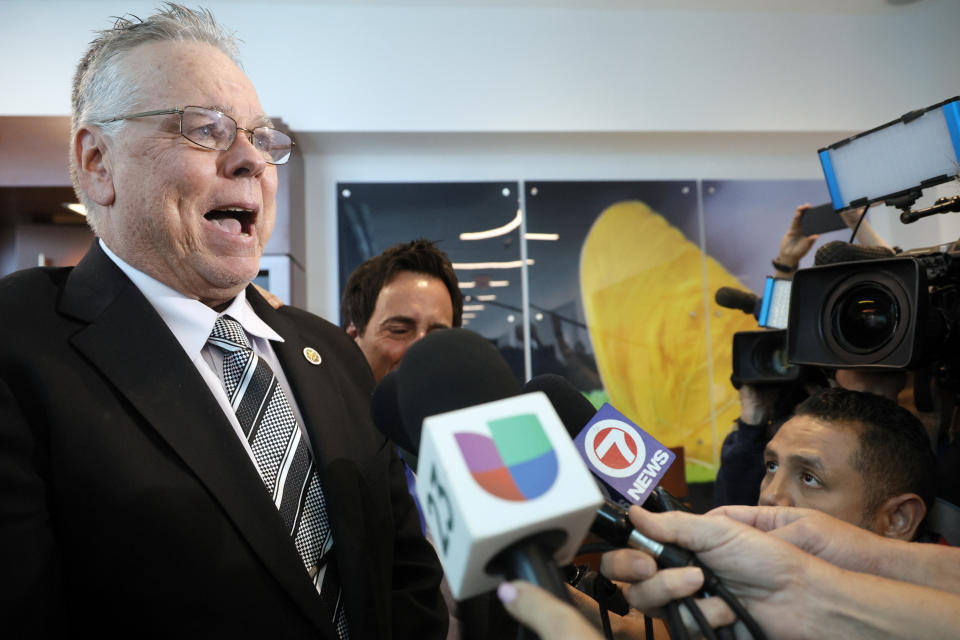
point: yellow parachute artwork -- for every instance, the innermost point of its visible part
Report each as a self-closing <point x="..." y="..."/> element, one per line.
<point x="648" y="296"/>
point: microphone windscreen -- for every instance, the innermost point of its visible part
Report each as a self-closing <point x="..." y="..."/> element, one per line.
<point x="574" y="409"/>
<point x="731" y="298"/>
<point x="839" y="251"/>
<point x="446" y="370"/>
<point x="385" y="410"/>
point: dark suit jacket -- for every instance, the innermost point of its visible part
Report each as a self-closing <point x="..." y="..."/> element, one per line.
<point x="128" y="504"/>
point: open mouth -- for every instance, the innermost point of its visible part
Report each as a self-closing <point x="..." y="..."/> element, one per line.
<point x="234" y="220"/>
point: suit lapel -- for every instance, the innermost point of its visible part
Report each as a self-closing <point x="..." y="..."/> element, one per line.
<point x="132" y="347"/>
<point x="314" y="386"/>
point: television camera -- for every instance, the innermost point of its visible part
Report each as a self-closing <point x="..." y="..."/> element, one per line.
<point x="866" y="308"/>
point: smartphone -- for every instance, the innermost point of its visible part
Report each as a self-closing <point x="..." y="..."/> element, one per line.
<point x="821" y="219"/>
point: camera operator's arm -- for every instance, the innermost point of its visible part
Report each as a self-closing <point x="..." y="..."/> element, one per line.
<point x="790" y="593"/>
<point x="793" y="246"/>
<point x="757" y="403"/>
<point x="850" y="547"/>
<point x="741" y="455"/>
<point x="866" y="234"/>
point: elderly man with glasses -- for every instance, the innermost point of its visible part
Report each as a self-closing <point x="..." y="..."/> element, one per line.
<point x="177" y="458"/>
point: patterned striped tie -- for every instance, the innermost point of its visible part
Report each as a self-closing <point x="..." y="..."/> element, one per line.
<point x="283" y="458"/>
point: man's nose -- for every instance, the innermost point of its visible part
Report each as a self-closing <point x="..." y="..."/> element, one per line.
<point x="775" y="494"/>
<point x="243" y="159"/>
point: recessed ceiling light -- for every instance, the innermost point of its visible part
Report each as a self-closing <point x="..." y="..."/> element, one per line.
<point x="493" y="233"/>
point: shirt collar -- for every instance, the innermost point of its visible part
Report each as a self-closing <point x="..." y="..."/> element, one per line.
<point x="190" y="320"/>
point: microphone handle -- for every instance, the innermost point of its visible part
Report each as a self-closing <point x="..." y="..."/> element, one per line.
<point x="531" y="559"/>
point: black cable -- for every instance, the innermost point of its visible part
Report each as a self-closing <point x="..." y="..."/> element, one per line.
<point x="647" y="627"/>
<point x="741" y="611"/>
<point x="857" y="227"/>
<point x="699" y="618"/>
<point x="605" y="621"/>
<point x="726" y="633"/>
<point x="675" y="622"/>
<point x="608" y="597"/>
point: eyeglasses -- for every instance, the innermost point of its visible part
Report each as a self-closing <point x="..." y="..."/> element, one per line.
<point x="212" y="129"/>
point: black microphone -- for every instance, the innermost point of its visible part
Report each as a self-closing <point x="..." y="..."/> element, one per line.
<point x="448" y="370"/>
<point x="574" y="409"/>
<point x="503" y="489"/>
<point x="745" y="301"/>
<point x="385" y="411"/>
<point x="839" y="251"/>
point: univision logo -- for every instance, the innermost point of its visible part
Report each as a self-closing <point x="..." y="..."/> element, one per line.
<point x="516" y="462"/>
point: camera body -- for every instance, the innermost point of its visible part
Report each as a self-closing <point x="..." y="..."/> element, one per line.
<point x="893" y="313"/>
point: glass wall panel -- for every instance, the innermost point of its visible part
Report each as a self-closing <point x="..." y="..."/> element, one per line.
<point x="622" y="277"/>
<point x="475" y="223"/>
<point x="622" y="298"/>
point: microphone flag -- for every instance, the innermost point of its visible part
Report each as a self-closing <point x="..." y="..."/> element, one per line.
<point x="626" y="459"/>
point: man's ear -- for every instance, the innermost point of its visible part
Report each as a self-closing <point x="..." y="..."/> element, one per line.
<point x="93" y="167"/>
<point x="900" y="516"/>
<point x="352" y="331"/>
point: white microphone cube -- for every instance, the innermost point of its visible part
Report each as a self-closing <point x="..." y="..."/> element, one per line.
<point x="495" y="474"/>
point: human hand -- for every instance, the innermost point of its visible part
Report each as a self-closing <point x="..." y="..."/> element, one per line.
<point x="626" y="627"/>
<point x="839" y="543"/>
<point x="772" y="578"/>
<point x="757" y="403"/>
<point x="852" y="216"/>
<point x="547" y="615"/>
<point x="794" y="245"/>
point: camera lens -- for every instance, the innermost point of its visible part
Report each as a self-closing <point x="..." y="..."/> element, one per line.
<point x="779" y="362"/>
<point x="769" y="356"/>
<point x="866" y="317"/>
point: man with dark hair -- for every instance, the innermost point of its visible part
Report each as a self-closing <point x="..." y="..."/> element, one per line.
<point x="394" y="299"/>
<point x="856" y="456"/>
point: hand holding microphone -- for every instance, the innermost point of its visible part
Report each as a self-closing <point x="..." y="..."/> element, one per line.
<point x="627" y="462"/>
<point x="504" y="491"/>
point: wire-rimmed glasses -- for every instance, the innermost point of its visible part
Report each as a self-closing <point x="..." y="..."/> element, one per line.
<point x="216" y="130"/>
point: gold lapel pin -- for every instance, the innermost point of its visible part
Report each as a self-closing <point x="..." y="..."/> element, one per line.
<point x="311" y="355"/>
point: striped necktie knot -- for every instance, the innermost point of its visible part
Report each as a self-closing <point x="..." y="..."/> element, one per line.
<point x="228" y="334"/>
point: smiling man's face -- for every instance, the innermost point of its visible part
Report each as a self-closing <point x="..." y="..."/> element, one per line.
<point x="193" y="218"/>
<point x="408" y="307"/>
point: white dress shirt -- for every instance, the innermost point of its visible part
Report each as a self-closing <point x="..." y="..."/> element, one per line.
<point x="191" y="322"/>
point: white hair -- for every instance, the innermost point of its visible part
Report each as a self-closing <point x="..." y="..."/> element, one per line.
<point x="101" y="87"/>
